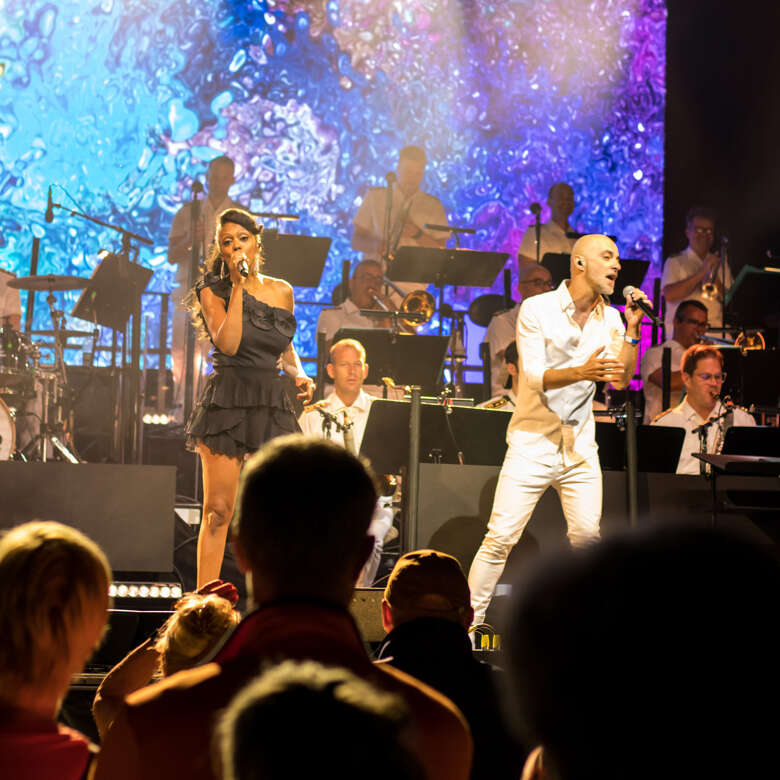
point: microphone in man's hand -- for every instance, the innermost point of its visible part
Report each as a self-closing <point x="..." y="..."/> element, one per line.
<point x="536" y="208"/>
<point x="391" y="178"/>
<point x="49" y="208"/>
<point x="628" y="292"/>
<point x="243" y="266"/>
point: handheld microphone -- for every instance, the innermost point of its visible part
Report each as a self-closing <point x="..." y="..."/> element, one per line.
<point x="243" y="266"/>
<point x="536" y="208"/>
<point x="628" y="291"/>
<point x="391" y="178"/>
<point x="196" y="186"/>
<point x="49" y="208"/>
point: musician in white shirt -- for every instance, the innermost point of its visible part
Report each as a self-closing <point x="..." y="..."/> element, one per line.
<point x="411" y="209"/>
<point x="702" y="374"/>
<point x="350" y="405"/>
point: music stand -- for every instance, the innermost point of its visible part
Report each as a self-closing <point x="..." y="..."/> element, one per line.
<point x="658" y="447"/>
<point x="758" y="440"/>
<point x="409" y="359"/>
<point x="113" y="292"/>
<point x="480" y="434"/>
<point x="457" y="267"/>
<point x="298" y="260"/>
<point x="752" y="298"/>
<point x="752" y="377"/>
<point x="632" y="272"/>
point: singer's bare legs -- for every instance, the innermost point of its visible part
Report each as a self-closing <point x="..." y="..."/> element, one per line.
<point x="220" y="485"/>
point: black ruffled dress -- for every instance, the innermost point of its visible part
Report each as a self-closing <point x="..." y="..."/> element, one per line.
<point x="244" y="404"/>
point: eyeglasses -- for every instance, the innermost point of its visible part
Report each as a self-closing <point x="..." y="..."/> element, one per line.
<point x="700" y="231"/>
<point x="539" y="283"/>
<point x="697" y="323"/>
<point x="717" y="377"/>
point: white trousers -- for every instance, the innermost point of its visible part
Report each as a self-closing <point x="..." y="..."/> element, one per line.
<point x="521" y="484"/>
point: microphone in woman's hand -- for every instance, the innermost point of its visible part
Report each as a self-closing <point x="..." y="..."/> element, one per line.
<point x="243" y="266"/>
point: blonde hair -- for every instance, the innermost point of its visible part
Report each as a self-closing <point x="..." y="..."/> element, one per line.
<point x="343" y="343"/>
<point x="194" y="629"/>
<point x="51" y="578"/>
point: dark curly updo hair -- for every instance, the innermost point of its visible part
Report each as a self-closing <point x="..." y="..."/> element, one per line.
<point x="216" y="269"/>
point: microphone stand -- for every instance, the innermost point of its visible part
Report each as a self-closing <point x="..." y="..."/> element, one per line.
<point x="724" y="253"/>
<point x="134" y="400"/>
<point x="192" y="269"/>
<point x="536" y="209"/>
<point x="391" y="177"/>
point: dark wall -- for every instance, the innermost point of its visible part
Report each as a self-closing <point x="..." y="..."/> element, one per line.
<point x="723" y="122"/>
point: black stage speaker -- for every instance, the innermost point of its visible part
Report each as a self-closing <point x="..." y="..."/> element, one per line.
<point x="93" y="395"/>
<point x="164" y="446"/>
<point x="366" y="608"/>
<point x="127" y="510"/>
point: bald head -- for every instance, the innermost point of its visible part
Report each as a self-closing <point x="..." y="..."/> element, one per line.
<point x="594" y="261"/>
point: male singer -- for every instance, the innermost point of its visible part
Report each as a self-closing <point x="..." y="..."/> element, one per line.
<point x="568" y="339"/>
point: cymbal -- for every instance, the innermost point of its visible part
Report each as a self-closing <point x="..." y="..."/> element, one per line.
<point x="48" y="282"/>
<point x="484" y="307"/>
<point x="65" y="334"/>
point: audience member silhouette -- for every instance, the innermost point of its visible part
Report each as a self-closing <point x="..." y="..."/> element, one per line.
<point x="426" y="611"/>
<point x="53" y="609"/>
<point x="200" y="620"/>
<point x="346" y="724"/>
<point x="650" y="655"/>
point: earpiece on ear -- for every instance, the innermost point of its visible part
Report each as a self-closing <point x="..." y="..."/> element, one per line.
<point x="580" y="264"/>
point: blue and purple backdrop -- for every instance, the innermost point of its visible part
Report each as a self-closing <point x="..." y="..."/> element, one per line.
<point x="122" y="103"/>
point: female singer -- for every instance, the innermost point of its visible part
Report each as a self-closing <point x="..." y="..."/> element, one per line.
<point x="249" y="319"/>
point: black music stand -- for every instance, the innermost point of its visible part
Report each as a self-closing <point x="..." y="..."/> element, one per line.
<point x="298" y="260"/>
<point x="658" y="447"/>
<point x="744" y="466"/>
<point x="752" y="377"/>
<point x="408" y="359"/>
<point x="457" y="267"/>
<point x="757" y="440"/>
<point x="751" y="300"/>
<point x="479" y="434"/>
<point x="113" y="292"/>
<point x="632" y="272"/>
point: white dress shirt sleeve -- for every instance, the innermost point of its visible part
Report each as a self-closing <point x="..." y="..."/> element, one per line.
<point x="530" y="347"/>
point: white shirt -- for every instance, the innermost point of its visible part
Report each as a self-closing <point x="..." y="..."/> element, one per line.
<point x="683" y="266"/>
<point x="419" y="209"/>
<point x="311" y="420"/>
<point x="552" y="238"/>
<point x="346" y="315"/>
<point x="684" y="416"/>
<point x="506" y="401"/>
<point x="650" y="363"/>
<point x="500" y="333"/>
<point x="557" y="425"/>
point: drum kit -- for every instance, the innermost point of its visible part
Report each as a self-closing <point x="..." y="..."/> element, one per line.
<point x="35" y="397"/>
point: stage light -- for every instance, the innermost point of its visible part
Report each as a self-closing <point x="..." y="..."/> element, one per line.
<point x="150" y="593"/>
